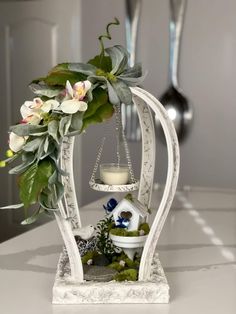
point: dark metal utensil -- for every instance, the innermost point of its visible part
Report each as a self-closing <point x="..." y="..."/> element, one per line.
<point x="130" y="118"/>
<point x="173" y="99"/>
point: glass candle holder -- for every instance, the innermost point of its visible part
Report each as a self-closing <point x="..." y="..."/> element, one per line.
<point x="114" y="174"/>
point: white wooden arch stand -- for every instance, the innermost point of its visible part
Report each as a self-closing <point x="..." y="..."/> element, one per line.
<point x="151" y="287"/>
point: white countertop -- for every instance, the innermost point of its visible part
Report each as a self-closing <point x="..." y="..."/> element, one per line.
<point x="197" y="250"/>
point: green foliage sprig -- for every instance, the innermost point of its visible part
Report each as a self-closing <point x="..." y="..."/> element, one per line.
<point x="104" y="243"/>
<point x="70" y="98"/>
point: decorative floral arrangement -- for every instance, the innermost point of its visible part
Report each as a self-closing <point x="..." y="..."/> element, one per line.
<point x="69" y="99"/>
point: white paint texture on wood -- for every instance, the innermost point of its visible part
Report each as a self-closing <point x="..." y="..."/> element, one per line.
<point x="68" y="219"/>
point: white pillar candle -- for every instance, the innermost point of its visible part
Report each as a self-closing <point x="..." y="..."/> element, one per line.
<point x="114" y="174"/>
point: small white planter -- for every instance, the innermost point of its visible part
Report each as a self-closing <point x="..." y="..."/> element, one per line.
<point x="130" y="245"/>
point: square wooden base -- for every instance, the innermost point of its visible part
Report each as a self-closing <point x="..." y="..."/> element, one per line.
<point x="65" y="291"/>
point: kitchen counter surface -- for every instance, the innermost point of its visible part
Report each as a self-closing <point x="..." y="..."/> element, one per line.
<point x="197" y="249"/>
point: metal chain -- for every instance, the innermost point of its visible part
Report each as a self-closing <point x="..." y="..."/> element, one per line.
<point x="99" y="154"/>
<point x="118" y="126"/>
<point x="121" y="132"/>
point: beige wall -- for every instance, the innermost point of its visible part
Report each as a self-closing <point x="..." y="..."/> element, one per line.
<point x="207" y="75"/>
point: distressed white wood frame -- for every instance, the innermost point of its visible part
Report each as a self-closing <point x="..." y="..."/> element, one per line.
<point x="68" y="217"/>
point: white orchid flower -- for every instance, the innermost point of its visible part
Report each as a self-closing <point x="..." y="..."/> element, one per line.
<point x="34" y="118"/>
<point x="16" y="142"/>
<point x="77" y="94"/>
<point x="50" y="104"/>
<point x="31" y="107"/>
<point x="80" y="89"/>
<point x="31" y="111"/>
<point x="69" y="89"/>
<point x="72" y="106"/>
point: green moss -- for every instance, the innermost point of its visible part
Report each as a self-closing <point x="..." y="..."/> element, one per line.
<point x="131" y="264"/>
<point x="89" y="255"/>
<point x="124" y="233"/>
<point x="117" y="266"/>
<point x="145" y="227"/>
<point x="128" y="274"/>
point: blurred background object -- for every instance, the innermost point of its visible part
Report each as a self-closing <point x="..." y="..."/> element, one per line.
<point x="35" y="35"/>
<point x="175" y="102"/>
<point x="132" y="21"/>
<point x="207" y="73"/>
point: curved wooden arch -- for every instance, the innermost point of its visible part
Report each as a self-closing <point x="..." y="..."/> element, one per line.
<point x="68" y="217"/>
<point x="171" y="180"/>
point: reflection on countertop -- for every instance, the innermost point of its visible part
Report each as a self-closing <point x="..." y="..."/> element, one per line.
<point x="197" y="249"/>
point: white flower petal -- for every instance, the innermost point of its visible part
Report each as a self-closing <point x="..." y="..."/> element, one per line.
<point x="49" y="105"/>
<point x="34" y="119"/>
<point x="54" y="103"/>
<point x="46" y="107"/>
<point x="80" y="89"/>
<point x="70" y="106"/>
<point x="25" y="109"/>
<point x="78" y="85"/>
<point x="16" y="142"/>
<point x="37" y="103"/>
<point x="87" y="85"/>
<point x="83" y="106"/>
<point x="69" y="88"/>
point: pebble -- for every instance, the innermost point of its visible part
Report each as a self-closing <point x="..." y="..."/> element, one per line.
<point x="98" y="273"/>
<point x="101" y="260"/>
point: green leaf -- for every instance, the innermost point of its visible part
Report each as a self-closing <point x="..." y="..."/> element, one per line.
<point x="49" y="147"/>
<point x="103" y="113"/>
<point x="99" y="109"/>
<point x="133" y="76"/>
<point x="134" y="72"/>
<point x="28" y="159"/>
<point x="40" y="151"/>
<point x="37" y="80"/>
<point x="113" y="98"/>
<point x="77" y="121"/>
<point x="119" y="57"/>
<point x="87" y="69"/>
<point x="60" y="78"/>
<point x="45" y="199"/>
<point x="102" y="63"/>
<point x="123" y="92"/>
<point x="34" y="217"/>
<point x="33" y="145"/>
<point x="60" y="74"/>
<point x="64" y="125"/>
<point x="44" y="90"/>
<point x="46" y="145"/>
<point x="99" y="98"/>
<point x="51" y="195"/>
<point x="59" y="191"/>
<point x="12" y="206"/>
<point x="53" y="178"/>
<point x="53" y="127"/>
<point x="59" y="67"/>
<point x="27" y="129"/>
<point x="33" y="180"/>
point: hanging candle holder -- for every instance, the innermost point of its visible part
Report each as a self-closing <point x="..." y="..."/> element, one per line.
<point x="115" y="176"/>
